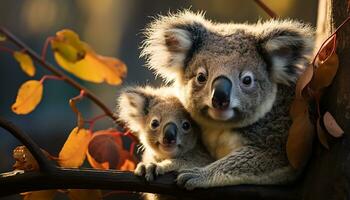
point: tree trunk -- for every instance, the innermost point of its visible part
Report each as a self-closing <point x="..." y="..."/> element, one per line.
<point x="328" y="175"/>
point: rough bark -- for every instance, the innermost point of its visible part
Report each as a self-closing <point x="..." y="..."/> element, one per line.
<point x="328" y="175"/>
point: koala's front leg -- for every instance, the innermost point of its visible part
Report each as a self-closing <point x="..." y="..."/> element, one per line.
<point x="249" y="165"/>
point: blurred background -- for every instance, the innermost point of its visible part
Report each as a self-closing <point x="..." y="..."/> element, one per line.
<point x="112" y="28"/>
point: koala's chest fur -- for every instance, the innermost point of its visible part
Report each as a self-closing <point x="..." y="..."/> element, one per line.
<point x="222" y="142"/>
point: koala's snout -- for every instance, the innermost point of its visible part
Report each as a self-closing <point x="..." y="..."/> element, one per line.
<point x="170" y="132"/>
<point x="221" y="92"/>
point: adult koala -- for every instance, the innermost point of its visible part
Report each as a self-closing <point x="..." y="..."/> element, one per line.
<point x="237" y="81"/>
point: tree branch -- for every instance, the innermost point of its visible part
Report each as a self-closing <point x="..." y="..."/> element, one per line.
<point x="126" y="181"/>
<point x="57" y="72"/>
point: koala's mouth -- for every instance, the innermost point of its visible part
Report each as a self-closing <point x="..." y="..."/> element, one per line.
<point x="168" y="148"/>
<point x="221" y="115"/>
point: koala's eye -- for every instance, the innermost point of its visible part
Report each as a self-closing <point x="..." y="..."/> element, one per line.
<point x="247" y="79"/>
<point x="186" y="125"/>
<point x="201" y="78"/>
<point x="154" y="123"/>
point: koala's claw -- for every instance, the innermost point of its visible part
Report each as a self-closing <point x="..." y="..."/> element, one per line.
<point x="191" y="178"/>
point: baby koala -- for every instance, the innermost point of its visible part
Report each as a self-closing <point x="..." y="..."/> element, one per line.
<point x="171" y="139"/>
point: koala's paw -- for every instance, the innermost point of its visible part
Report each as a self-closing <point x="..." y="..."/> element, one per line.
<point x="140" y="169"/>
<point x="160" y="170"/>
<point x="146" y="169"/>
<point x="193" y="178"/>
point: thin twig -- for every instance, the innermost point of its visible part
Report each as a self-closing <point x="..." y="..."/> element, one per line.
<point x="268" y="10"/>
<point x="59" y="73"/>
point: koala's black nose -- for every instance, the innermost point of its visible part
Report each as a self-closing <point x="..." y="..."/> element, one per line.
<point x="221" y="90"/>
<point x="170" y="132"/>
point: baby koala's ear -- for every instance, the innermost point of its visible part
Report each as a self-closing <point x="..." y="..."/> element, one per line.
<point x="287" y="45"/>
<point x="171" y="41"/>
<point x="132" y="107"/>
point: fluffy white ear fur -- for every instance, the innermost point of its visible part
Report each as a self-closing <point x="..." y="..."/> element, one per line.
<point x="131" y="109"/>
<point x="288" y="45"/>
<point x="168" y="42"/>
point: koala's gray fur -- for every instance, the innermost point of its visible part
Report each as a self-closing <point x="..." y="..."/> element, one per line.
<point x="138" y="107"/>
<point x="248" y="137"/>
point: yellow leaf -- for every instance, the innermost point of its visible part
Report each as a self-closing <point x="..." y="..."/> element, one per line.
<point x="115" y="70"/>
<point x="67" y="43"/>
<point x="2" y="37"/>
<point x="95" y="69"/>
<point x="82" y="194"/>
<point x="39" y="195"/>
<point x="78" y="58"/>
<point x="72" y="154"/>
<point x="28" y="97"/>
<point x="25" y="62"/>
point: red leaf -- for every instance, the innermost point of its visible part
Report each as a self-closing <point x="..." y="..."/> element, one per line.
<point x="106" y="151"/>
<point x="332" y="126"/>
<point x="327" y="49"/>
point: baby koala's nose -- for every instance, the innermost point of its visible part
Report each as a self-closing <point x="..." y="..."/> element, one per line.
<point x="170" y="132"/>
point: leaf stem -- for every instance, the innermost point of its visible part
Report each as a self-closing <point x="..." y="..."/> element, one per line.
<point x="6" y="49"/>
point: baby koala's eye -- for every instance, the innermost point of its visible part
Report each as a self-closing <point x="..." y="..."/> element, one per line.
<point x="186" y="125"/>
<point x="154" y="123"/>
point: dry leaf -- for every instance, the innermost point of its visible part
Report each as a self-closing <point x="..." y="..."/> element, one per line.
<point x="39" y="195"/>
<point x="303" y="80"/>
<point x="325" y="73"/>
<point x="25" y="62"/>
<point x="83" y="194"/>
<point x="24" y="159"/>
<point x="332" y="126"/>
<point x="72" y="154"/>
<point x="300" y="139"/>
<point x="322" y="136"/>
<point x="28" y="97"/>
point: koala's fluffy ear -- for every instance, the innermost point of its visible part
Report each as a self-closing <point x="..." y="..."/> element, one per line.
<point x="287" y="45"/>
<point x="133" y="107"/>
<point x="171" y="41"/>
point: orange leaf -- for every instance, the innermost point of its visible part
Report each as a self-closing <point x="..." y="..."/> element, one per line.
<point x="28" y="97"/>
<point x="128" y="164"/>
<point x="322" y="136"/>
<point x="39" y="195"/>
<point x="26" y="62"/>
<point x="300" y="139"/>
<point x="82" y="194"/>
<point x="72" y="154"/>
<point x="303" y="80"/>
<point x="332" y="126"/>
<point x="325" y="73"/>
